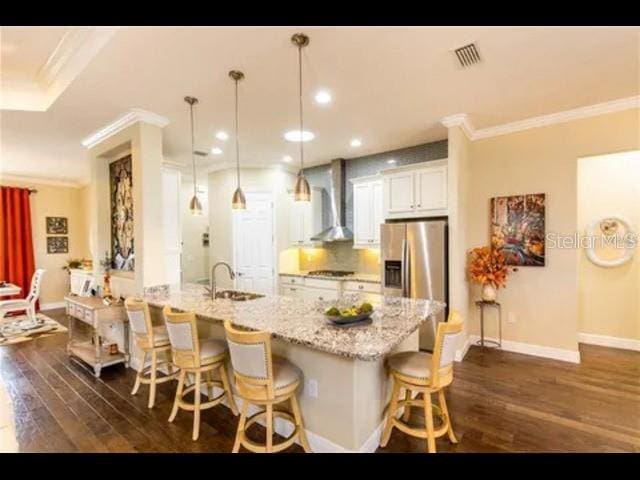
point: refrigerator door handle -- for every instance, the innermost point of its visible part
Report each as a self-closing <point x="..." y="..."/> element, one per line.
<point x="405" y="269"/>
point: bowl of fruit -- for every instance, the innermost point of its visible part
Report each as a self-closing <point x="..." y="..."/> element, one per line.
<point x="352" y="314"/>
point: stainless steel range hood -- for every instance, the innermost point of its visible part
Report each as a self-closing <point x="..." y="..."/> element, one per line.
<point x="338" y="230"/>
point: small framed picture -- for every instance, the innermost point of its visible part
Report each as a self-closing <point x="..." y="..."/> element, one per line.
<point x="57" y="226"/>
<point x="57" y="245"/>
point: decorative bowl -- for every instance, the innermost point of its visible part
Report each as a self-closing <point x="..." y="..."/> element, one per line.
<point x="340" y="319"/>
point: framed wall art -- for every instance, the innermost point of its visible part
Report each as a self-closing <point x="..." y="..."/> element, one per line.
<point x="57" y="245"/>
<point x="57" y="226"/>
<point x="518" y="228"/>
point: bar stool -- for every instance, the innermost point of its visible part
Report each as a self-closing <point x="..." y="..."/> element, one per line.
<point x="264" y="380"/>
<point x="198" y="357"/>
<point x="152" y="340"/>
<point x="424" y="373"/>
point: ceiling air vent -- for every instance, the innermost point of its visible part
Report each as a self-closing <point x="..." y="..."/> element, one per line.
<point x="200" y="153"/>
<point x="468" y="55"/>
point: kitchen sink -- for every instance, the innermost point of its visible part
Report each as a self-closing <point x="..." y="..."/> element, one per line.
<point x="237" y="296"/>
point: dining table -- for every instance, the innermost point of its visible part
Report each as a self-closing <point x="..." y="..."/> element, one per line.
<point x="8" y="289"/>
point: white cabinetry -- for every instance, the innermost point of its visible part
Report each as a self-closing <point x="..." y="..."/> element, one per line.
<point x="367" y="211"/>
<point x="418" y="190"/>
<point x="305" y="219"/>
<point x="370" y="292"/>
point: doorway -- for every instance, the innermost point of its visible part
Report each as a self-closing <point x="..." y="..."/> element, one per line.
<point x="254" y="244"/>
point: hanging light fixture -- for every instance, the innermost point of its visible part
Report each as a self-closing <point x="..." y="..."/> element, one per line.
<point x="195" y="207"/>
<point x="237" y="202"/>
<point x="302" y="191"/>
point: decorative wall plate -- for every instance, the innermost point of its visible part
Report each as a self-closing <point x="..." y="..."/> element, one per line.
<point x="617" y="232"/>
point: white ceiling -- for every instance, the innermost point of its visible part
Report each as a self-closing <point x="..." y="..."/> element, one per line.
<point x="390" y="86"/>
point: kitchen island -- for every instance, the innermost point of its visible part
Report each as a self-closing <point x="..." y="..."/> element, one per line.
<point x="345" y="382"/>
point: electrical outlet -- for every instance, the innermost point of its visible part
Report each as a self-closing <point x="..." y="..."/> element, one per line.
<point x="511" y="318"/>
<point x="312" y="388"/>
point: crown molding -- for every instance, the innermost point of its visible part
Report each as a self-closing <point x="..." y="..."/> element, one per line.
<point x="124" y="121"/>
<point x="252" y="166"/>
<point x="77" y="47"/>
<point x="462" y="119"/>
<point x="29" y="179"/>
<point x="459" y="120"/>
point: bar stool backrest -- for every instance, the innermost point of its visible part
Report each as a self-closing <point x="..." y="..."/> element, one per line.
<point x="183" y="335"/>
<point x="140" y="321"/>
<point x="444" y="350"/>
<point x="252" y="362"/>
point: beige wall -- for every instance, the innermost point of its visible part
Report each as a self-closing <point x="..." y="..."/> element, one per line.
<point x="458" y="183"/>
<point x="543" y="301"/>
<point x="56" y="201"/>
<point x="222" y="184"/>
<point x="144" y="142"/>
<point x="609" y="300"/>
<point x="195" y="257"/>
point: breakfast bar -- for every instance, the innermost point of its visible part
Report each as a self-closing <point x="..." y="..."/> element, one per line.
<point x="345" y="381"/>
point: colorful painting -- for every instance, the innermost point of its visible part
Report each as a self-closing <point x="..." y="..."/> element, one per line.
<point x="122" y="241"/>
<point x="57" y="226"/>
<point x="517" y="228"/>
<point x="57" y="245"/>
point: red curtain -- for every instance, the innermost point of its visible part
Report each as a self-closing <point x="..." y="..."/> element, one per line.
<point x="16" y="245"/>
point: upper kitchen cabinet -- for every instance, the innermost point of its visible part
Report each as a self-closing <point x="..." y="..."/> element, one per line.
<point x="367" y="211"/>
<point x="418" y="190"/>
<point x="305" y="219"/>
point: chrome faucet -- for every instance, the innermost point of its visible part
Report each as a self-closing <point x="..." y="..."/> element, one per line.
<point x="232" y="275"/>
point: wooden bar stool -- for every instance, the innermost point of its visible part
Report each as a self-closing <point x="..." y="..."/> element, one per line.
<point x="198" y="357"/>
<point x="424" y="373"/>
<point x="264" y="380"/>
<point x="152" y="340"/>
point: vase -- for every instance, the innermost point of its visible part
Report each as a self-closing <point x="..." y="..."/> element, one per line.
<point x="106" y="289"/>
<point x="488" y="292"/>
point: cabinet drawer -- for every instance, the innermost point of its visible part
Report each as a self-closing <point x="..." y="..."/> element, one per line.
<point x="318" y="283"/>
<point x="78" y="312"/>
<point x="322" y="294"/>
<point x="287" y="280"/>
<point x="362" y="287"/>
<point x="291" y="291"/>
<point x="88" y="316"/>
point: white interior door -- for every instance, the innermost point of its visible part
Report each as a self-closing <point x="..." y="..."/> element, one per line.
<point x="171" y="225"/>
<point x="254" y="244"/>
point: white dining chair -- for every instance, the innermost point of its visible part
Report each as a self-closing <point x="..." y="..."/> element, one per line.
<point x="27" y="304"/>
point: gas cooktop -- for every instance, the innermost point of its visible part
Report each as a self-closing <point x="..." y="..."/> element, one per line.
<point x="331" y="273"/>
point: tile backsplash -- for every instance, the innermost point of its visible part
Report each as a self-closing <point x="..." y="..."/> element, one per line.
<point x="340" y="256"/>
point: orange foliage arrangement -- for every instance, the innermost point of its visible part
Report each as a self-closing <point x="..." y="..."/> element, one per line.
<point x="487" y="265"/>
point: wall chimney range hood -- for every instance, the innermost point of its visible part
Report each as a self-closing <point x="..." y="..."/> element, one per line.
<point x="338" y="230"/>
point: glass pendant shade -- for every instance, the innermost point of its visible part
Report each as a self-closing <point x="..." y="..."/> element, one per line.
<point x="195" y="207"/>
<point x="238" y="202"/>
<point x="302" y="191"/>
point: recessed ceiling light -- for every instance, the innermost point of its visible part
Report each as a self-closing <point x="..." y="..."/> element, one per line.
<point x="356" y="142"/>
<point x="222" y="135"/>
<point x="391" y="161"/>
<point x="295" y="136"/>
<point x="323" y="97"/>
<point x="216" y="151"/>
<point x="287" y="159"/>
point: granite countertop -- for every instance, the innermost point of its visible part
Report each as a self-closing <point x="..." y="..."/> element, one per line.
<point x="356" y="277"/>
<point x="302" y="322"/>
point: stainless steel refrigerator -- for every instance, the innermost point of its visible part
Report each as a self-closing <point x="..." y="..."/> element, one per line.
<point x="414" y="265"/>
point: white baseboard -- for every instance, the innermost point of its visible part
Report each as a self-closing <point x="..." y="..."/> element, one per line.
<point x="461" y="352"/>
<point x="535" y="350"/>
<point x="317" y="443"/>
<point x="606" y="341"/>
<point x="52" y="305"/>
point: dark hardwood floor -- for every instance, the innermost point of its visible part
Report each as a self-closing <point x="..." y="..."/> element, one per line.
<point x="499" y="402"/>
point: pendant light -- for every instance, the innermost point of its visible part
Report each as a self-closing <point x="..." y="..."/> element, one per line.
<point x="237" y="202"/>
<point x="301" y="192"/>
<point x="195" y="207"/>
